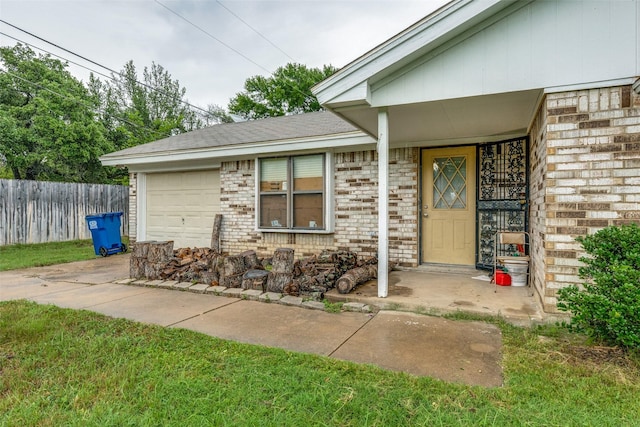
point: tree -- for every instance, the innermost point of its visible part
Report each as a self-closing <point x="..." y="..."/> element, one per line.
<point x="287" y="91"/>
<point x="215" y="115"/>
<point x="48" y="129"/>
<point x="139" y="111"/>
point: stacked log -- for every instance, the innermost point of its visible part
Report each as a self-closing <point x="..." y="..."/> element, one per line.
<point x="192" y="265"/>
<point x="366" y="271"/>
<point x="255" y="279"/>
<point x="149" y="259"/>
<point x="138" y="259"/>
<point x="251" y="261"/>
<point x="215" y="234"/>
<point x="281" y="273"/>
<point x="233" y="268"/>
<point x="356" y="276"/>
<point x="312" y="276"/>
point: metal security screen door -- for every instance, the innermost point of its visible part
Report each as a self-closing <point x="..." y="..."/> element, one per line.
<point x="503" y="196"/>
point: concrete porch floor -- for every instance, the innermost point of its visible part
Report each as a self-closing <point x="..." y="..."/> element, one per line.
<point x="448" y="289"/>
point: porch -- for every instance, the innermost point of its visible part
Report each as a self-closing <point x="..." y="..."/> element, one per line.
<point x="440" y="290"/>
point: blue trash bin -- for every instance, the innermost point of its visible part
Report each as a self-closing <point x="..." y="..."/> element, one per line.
<point x="105" y="232"/>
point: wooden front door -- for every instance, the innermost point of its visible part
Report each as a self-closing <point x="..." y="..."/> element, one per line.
<point x="449" y="205"/>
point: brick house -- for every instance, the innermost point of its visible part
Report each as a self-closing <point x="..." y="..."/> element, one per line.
<point x="485" y="115"/>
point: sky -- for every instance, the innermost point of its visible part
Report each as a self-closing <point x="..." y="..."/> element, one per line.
<point x="211" y="47"/>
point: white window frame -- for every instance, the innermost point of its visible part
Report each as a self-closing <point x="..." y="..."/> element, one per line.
<point x="328" y="197"/>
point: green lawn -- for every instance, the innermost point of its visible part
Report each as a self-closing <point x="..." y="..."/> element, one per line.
<point x="75" y="368"/>
<point x="40" y="254"/>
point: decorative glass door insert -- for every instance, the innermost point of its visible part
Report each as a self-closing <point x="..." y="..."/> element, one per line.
<point x="450" y="182"/>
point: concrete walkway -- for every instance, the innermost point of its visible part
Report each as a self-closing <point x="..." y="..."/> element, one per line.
<point x="463" y="352"/>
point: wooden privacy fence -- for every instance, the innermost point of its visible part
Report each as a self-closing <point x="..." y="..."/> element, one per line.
<point x="40" y="211"/>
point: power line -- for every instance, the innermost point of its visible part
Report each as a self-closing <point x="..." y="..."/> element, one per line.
<point x="57" y="56"/>
<point x="98" y="64"/>
<point x="38" y="85"/>
<point x="214" y="37"/>
<point x="285" y="81"/>
<point x="254" y="30"/>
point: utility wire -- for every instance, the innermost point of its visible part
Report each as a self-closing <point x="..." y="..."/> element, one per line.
<point x="57" y="56"/>
<point x="38" y="85"/>
<point x="214" y="37"/>
<point x="296" y="89"/>
<point x="96" y="63"/>
<point x="254" y="30"/>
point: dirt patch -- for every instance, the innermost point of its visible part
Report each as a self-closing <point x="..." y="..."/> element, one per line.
<point x="600" y="355"/>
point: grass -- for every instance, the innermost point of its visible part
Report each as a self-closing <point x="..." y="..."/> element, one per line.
<point x="42" y="254"/>
<point x="76" y="368"/>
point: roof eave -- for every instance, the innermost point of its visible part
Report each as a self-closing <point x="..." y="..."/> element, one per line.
<point x="355" y="138"/>
<point x="433" y="30"/>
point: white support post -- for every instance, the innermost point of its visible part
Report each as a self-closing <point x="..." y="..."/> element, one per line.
<point x="383" y="203"/>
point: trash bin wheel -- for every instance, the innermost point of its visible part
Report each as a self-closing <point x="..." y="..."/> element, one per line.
<point x="123" y="248"/>
<point x="103" y="251"/>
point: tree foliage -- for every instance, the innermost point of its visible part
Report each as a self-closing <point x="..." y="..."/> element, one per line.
<point x="607" y="307"/>
<point x="48" y="129"/>
<point x="286" y="91"/>
<point x="54" y="127"/>
<point x="139" y="110"/>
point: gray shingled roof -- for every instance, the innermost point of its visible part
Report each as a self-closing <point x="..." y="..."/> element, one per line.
<point x="322" y="123"/>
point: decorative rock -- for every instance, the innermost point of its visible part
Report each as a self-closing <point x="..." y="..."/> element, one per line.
<point x="198" y="288"/>
<point x="314" y="305"/>
<point x="251" y="294"/>
<point x="141" y="282"/>
<point x="232" y="292"/>
<point x="216" y="290"/>
<point x="353" y="306"/>
<point x="154" y="283"/>
<point x="291" y="300"/>
<point x="183" y="286"/>
<point x="270" y="297"/>
<point x="168" y="284"/>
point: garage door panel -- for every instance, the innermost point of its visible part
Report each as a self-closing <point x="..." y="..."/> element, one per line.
<point x="181" y="206"/>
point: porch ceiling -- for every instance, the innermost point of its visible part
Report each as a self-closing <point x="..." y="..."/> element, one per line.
<point x="452" y="121"/>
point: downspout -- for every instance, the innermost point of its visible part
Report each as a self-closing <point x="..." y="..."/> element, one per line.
<point x="383" y="203"/>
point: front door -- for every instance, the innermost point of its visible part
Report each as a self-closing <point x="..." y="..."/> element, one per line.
<point x="449" y="205"/>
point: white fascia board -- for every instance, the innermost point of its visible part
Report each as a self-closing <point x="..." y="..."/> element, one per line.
<point x="356" y="138"/>
<point x="591" y="85"/>
<point x="357" y="95"/>
<point x="418" y="37"/>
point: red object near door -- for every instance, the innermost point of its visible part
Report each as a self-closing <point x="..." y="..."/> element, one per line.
<point x="502" y="278"/>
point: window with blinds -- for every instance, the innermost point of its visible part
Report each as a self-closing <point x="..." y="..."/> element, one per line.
<point x="292" y="191"/>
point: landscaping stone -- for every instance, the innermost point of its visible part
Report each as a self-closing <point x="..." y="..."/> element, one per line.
<point x="291" y="300"/>
<point x="353" y="306"/>
<point x="216" y="290"/>
<point x="270" y="297"/>
<point x="125" y="281"/>
<point x="314" y="305"/>
<point x="168" y="284"/>
<point x="198" y="288"/>
<point x="153" y="283"/>
<point x="139" y="282"/>
<point x="251" y="294"/>
<point x="232" y="292"/>
<point x="183" y="286"/>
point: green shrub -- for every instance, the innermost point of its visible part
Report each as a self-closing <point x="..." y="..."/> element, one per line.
<point x="607" y="306"/>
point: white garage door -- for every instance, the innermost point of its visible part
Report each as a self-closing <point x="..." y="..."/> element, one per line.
<point x="181" y="207"/>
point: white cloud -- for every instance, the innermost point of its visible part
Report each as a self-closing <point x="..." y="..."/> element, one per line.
<point x="113" y="32"/>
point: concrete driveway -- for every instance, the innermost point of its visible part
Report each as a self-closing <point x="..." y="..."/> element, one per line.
<point x="463" y="352"/>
